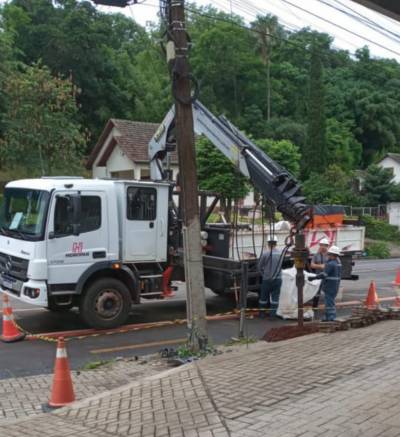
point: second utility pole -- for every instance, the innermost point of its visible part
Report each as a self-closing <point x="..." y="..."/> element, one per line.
<point x="177" y="53"/>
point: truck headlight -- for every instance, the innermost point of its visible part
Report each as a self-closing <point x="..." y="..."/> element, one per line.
<point x="33" y="293"/>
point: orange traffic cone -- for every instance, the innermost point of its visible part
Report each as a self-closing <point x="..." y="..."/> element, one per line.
<point x="397" y="280"/>
<point x="10" y="332"/>
<point x="372" y="297"/>
<point x="62" y="392"/>
<point x="167" y="290"/>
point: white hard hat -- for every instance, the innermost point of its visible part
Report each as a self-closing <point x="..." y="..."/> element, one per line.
<point x="204" y="235"/>
<point x="324" y="241"/>
<point x="334" y="250"/>
<point x="272" y="238"/>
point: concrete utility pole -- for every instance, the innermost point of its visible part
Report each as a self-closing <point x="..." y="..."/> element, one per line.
<point x="300" y="255"/>
<point x="177" y="56"/>
<point x="177" y="50"/>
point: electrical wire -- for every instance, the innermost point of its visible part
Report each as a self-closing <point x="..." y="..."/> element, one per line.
<point x="341" y="27"/>
<point x="256" y="31"/>
<point x="366" y="19"/>
<point x="370" y="24"/>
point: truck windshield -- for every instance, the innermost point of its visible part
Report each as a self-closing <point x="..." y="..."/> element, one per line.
<point x="23" y="213"/>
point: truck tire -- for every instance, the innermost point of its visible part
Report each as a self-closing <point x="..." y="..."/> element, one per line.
<point x="105" y="304"/>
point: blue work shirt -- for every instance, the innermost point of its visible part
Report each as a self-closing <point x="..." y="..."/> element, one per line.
<point x="270" y="264"/>
<point x="331" y="276"/>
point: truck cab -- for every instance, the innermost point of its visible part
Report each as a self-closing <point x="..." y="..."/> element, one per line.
<point x="94" y="244"/>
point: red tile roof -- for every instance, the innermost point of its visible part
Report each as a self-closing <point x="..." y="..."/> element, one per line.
<point x="133" y="139"/>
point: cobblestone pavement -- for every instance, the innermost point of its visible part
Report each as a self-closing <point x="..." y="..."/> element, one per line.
<point x="342" y="384"/>
<point x="25" y="396"/>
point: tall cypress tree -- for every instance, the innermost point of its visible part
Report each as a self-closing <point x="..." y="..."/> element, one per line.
<point x="315" y="150"/>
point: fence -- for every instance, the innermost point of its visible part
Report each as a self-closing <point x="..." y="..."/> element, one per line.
<point x="379" y="211"/>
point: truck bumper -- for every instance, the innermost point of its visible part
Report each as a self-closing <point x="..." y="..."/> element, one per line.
<point x="32" y="292"/>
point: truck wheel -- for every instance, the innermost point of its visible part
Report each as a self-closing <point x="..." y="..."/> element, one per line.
<point x="105" y="304"/>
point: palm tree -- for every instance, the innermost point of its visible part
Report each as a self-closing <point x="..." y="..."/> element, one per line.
<point x="269" y="33"/>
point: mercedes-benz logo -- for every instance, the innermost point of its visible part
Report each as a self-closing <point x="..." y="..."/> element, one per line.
<point x="8" y="264"/>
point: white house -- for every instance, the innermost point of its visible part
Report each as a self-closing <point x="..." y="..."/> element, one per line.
<point x="392" y="161"/>
<point x="122" y="151"/>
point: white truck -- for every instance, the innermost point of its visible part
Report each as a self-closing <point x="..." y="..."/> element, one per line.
<point x="102" y="245"/>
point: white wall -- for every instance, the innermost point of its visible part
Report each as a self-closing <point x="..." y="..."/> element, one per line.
<point x="391" y="163"/>
<point x="393" y="210"/>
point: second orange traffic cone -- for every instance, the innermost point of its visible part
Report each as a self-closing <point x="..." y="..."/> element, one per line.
<point x="62" y="392"/>
<point x="372" y="297"/>
<point x="397" y="280"/>
<point x="10" y="332"/>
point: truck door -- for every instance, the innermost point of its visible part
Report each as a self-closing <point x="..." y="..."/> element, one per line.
<point x="140" y="233"/>
<point x="71" y="255"/>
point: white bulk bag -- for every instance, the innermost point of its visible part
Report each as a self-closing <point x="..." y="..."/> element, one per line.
<point x="287" y="308"/>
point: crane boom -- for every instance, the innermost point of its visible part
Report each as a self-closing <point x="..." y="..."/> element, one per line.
<point x="278" y="186"/>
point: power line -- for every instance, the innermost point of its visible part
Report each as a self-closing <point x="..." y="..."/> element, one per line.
<point x="293" y="27"/>
<point x="341" y="27"/>
<point x="259" y="32"/>
<point x="367" y="22"/>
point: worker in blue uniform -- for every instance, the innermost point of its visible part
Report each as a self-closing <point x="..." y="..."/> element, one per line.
<point x="330" y="282"/>
<point x="270" y="268"/>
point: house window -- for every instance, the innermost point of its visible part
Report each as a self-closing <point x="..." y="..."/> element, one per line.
<point x="123" y="174"/>
<point x="145" y="174"/>
<point x="141" y="203"/>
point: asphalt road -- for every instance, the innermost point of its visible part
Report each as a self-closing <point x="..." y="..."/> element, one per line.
<point x="34" y="357"/>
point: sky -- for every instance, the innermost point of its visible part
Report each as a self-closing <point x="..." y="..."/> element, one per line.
<point x="349" y="33"/>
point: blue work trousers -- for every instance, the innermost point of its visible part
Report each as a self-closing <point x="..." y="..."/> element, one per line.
<point x="330" y="304"/>
<point x="270" y="291"/>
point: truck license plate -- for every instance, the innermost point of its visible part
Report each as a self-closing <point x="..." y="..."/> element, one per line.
<point x="7" y="284"/>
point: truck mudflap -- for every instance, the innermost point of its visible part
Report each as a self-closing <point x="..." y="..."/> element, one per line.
<point x="347" y="266"/>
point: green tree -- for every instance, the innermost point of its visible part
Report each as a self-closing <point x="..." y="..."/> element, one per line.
<point x="342" y="148"/>
<point x="42" y="134"/>
<point x="216" y="173"/>
<point x="74" y="39"/>
<point x="378" y="187"/>
<point x="282" y="128"/>
<point x="333" y="186"/>
<point x="269" y="32"/>
<point x="315" y="153"/>
<point x="283" y="152"/>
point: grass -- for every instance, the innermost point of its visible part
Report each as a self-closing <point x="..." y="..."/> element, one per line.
<point x="91" y="365"/>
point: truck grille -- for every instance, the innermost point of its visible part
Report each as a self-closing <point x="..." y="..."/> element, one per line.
<point x="14" y="266"/>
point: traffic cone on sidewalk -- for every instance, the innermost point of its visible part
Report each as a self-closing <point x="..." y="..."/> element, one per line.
<point x="397" y="280"/>
<point x="372" y="301"/>
<point x="62" y="392"/>
<point x="10" y="332"/>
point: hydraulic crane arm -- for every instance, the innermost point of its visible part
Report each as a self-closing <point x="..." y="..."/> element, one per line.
<point x="278" y="186"/>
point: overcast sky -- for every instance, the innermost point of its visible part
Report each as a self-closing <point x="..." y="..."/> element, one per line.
<point x="293" y="18"/>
